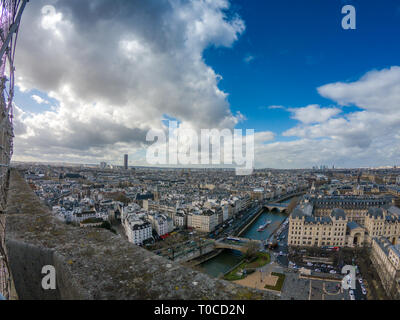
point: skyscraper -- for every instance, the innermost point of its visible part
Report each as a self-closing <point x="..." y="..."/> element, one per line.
<point x="126" y="162"/>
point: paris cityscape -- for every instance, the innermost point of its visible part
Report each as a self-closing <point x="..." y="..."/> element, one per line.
<point x="302" y="226"/>
<point x="195" y="150"/>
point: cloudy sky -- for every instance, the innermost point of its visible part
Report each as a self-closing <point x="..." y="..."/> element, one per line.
<point x="93" y="77"/>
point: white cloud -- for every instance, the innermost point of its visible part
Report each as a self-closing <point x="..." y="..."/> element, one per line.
<point x="313" y="113"/>
<point x="276" y="107"/>
<point x="248" y="58"/>
<point x="264" y="136"/>
<point x="116" y="68"/>
<point x="362" y="138"/>
<point x="39" y="100"/>
<point x="377" y="91"/>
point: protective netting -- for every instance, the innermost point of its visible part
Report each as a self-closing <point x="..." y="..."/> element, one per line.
<point x="9" y="23"/>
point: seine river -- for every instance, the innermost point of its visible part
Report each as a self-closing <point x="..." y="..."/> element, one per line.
<point x="228" y="258"/>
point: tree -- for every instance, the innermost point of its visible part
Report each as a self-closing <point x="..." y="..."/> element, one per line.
<point x="252" y="249"/>
<point x="293" y="203"/>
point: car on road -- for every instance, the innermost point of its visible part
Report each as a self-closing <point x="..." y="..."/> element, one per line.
<point x="309" y="264"/>
<point x="317" y="270"/>
<point x="360" y="280"/>
<point x="332" y="271"/>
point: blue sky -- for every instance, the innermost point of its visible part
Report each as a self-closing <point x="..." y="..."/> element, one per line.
<point x="298" y="46"/>
<point x="93" y="77"/>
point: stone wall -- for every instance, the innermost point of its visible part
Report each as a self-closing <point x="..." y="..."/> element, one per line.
<point x="95" y="263"/>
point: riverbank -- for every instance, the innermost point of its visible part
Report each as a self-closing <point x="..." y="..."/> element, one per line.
<point x="242" y="269"/>
<point x="204" y="258"/>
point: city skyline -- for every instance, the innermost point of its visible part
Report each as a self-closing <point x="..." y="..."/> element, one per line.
<point x="292" y="74"/>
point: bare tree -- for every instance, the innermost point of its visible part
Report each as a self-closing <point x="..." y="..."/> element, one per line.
<point x="252" y="249"/>
<point x="293" y="203"/>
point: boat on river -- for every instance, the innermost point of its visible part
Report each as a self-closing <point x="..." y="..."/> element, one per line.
<point x="264" y="226"/>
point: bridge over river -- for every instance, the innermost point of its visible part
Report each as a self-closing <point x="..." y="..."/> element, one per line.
<point x="281" y="207"/>
<point x="235" y="243"/>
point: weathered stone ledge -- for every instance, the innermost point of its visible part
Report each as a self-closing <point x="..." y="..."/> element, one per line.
<point x="94" y="263"/>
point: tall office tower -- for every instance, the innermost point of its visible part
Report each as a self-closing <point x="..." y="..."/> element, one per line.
<point x="126" y="162"/>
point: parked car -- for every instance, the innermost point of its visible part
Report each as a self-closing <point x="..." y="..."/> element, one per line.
<point x="332" y="271"/>
<point x="360" y="280"/>
<point x="364" y="291"/>
<point x="309" y="264"/>
<point x="317" y="270"/>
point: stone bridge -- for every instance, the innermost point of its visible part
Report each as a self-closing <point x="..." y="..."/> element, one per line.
<point x="239" y="245"/>
<point x="281" y="207"/>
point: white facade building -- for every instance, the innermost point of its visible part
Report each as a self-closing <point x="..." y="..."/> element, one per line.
<point x="160" y="223"/>
<point x="136" y="229"/>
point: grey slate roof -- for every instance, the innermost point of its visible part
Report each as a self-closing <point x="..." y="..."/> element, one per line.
<point x="338" y="214"/>
<point x="353" y="225"/>
<point x="375" y="212"/>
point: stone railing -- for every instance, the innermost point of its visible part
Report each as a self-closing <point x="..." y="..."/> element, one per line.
<point x="94" y="263"/>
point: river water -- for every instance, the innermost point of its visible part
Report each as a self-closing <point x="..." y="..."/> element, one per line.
<point x="229" y="258"/>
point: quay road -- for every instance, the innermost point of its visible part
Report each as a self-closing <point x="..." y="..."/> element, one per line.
<point x="234" y="226"/>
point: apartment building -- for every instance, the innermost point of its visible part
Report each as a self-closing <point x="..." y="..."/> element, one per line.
<point x="160" y="223"/>
<point x="203" y="221"/>
<point x="180" y="219"/>
<point x="164" y="207"/>
<point x="136" y="229"/>
<point x="306" y="229"/>
<point x="355" y="207"/>
<point x="386" y="258"/>
<point x="383" y="222"/>
<point x="83" y="215"/>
